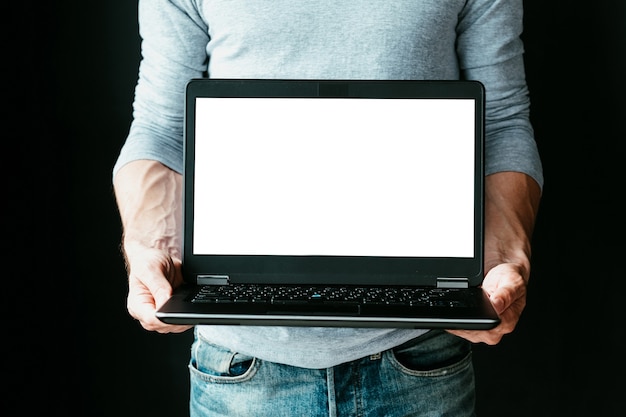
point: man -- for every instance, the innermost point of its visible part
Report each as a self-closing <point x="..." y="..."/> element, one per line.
<point x="258" y="371"/>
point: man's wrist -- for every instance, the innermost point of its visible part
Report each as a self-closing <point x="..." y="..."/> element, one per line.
<point x="167" y="244"/>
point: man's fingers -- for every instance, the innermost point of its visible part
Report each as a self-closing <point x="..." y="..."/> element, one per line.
<point x="507" y="292"/>
<point x="141" y="306"/>
<point x="152" y="274"/>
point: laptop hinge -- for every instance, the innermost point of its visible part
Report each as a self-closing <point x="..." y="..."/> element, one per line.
<point x="452" y="283"/>
<point x="213" y="279"/>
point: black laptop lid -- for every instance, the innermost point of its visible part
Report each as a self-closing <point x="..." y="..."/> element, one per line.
<point x="333" y="182"/>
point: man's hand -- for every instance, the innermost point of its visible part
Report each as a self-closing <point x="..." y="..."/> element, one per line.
<point x="149" y="198"/>
<point x="511" y="205"/>
<point x="507" y="291"/>
<point x="152" y="274"/>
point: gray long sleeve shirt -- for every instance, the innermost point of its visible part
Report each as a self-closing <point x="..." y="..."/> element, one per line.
<point x="331" y="39"/>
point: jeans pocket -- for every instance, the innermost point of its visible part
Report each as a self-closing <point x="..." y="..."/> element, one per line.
<point x="436" y="353"/>
<point x="215" y="363"/>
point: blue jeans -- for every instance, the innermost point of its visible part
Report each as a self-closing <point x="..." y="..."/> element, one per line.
<point x="431" y="375"/>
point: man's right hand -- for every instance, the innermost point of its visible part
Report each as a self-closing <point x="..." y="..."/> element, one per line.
<point x="149" y="198"/>
<point x="152" y="274"/>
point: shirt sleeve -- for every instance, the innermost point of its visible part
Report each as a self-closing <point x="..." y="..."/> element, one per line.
<point x="173" y="48"/>
<point x="490" y="49"/>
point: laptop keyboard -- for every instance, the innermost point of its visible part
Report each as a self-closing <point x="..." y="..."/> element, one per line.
<point x="329" y="295"/>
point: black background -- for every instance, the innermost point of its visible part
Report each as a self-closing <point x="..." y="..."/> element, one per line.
<point x="69" y="74"/>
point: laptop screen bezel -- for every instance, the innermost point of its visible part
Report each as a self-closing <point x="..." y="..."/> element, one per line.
<point x="343" y="270"/>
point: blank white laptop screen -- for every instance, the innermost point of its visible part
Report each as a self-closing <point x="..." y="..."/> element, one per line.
<point x="338" y="177"/>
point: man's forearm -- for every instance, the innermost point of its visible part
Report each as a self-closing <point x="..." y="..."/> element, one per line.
<point x="149" y="199"/>
<point x="511" y="205"/>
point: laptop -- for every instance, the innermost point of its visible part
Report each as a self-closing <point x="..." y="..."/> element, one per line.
<point x="346" y="203"/>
